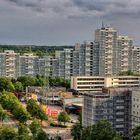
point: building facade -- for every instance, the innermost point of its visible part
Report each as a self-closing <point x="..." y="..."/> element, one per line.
<point x="84" y="84"/>
<point x="106" y="55"/>
<point x="120" y="106"/>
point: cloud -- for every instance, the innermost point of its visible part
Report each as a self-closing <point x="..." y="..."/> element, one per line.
<point x="62" y="21"/>
<point x="35" y="5"/>
<point x="109" y="8"/>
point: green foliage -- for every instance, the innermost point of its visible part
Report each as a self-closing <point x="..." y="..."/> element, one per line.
<point x="76" y="131"/>
<point x="59" y="81"/>
<point x="22" y="82"/>
<point x="102" y="130"/>
<point x="117" y="137"/>
<point x="137" y="137"/>
<point x="23" y="132"/>
<point x="63" y="117"/>
<point x="18" y="86"/>
<point x="11" y="103"/>
<point x="8" y="133"/>
<point x="6" y="84"/>
<point x="40" y="81"/>
<point x="35" y="110"/>
<point x="35" y="127"/>
<point x="87" y="133"/>
<point x="43" y="81"/>
<point x="27" y="81"/>
<point x="37" y="50"/>
<point x="126" y="73"/>
<point x="2" y="113"/>
<point x="37" y="131"/>
<point x="136" y="131"/>
<point x="42" y="135"/>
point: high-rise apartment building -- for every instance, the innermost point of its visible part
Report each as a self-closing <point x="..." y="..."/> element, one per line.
<point x="123" y="54"/>
<point x="107" y="55"/>
<point x="120" y="106"/>
<point x="9" y="64"/>
<point x="28" y="64"/>
<point x="107" y="41"/>
<point x="135" y="61"/>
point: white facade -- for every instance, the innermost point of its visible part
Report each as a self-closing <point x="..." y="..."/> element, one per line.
<point x="96" y="83"/>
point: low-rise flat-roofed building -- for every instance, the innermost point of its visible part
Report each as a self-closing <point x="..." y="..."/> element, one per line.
<point x="96" y="83"/>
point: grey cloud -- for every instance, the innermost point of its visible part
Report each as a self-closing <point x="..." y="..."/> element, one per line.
<point x="90" y="5"/>
<point x="35" y="5"/>
<point x="110" y="8"/>
<point x="84" y="8"/>
<point x="64" y="21"/>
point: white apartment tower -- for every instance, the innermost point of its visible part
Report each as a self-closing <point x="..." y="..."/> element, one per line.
<point x="123" y="54"/>
<point x="107" y="40"/>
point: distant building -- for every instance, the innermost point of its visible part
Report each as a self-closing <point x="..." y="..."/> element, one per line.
<point x="28" y="64"/>
<point x="135" y="111"/>
<point x="107" y="55"/>
<point x="9" y="64"/>
<point x="85" y="84"/>
<point x="135" y="61"/>
<point x="120" y="106"/>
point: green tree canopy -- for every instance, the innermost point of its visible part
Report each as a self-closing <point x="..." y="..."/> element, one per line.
<point x="35" y="128"/>
<point x="35" y="110"/>
<point x="102" y="130"/>
<point x="8" y="133"/>
<point x="10" y="102"/>
<point x="27" y="81"/>
<point x="42" y="135"/>
<point x="63" y="117"/>
<point x="6" y="84"/>
<point x="23" y="132"/>
<point x="2" y="113"/>
<point x="137" y="137"/>
<point x="136" y="131"/>
<point x="76" y="131"/>
<point x="18" y="86"/>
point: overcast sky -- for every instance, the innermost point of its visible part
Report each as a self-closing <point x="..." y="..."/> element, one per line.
<point x="65" y="22"/>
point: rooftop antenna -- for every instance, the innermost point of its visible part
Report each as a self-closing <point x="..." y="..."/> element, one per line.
<point x="103" y="25"/>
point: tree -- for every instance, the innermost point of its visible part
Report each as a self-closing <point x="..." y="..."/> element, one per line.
<point x="117" y="137"/>
<point x="137" y="137"/>
<point x="42" y="135"/>
<point x="35" y="128"/>
<point x="2" y="113"/>
<point x="35" y="110"/>
<point x="27" y="81"/>
<point x="102" y="130"/>
<point x="86" y="133"/>
<point x="76" y="131"/>
<point x="40" y="81"/>
<point x="10" y="102"/>
<point x="6" y="84"/>
<point x="18" y="86"/>
<point x="23" y="132"/>
<point x="63" y="117"/>
<point x="136" y="131"/>
<point x="127" y="73"/>
<point x="8" y="133"/>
